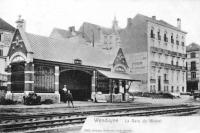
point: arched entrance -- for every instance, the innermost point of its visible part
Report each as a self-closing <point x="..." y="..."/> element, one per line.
<point x="78" y="82"/>
<point x="17" y="77"/>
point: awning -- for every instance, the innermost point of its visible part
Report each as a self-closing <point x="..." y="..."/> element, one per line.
<point x="116" y="75"/>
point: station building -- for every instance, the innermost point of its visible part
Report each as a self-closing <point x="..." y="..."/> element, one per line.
<point x="44" y="65"/>
<point x="155" y="50"/>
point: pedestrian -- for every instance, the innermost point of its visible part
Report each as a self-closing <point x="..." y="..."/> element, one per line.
<point x="64" y="93"/>
<point x="70" y="98"/>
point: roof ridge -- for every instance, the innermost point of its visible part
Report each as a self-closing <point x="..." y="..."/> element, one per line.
<point x="161" y="22"/>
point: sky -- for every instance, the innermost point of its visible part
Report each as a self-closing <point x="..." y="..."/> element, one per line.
<point x="42" y="16"/>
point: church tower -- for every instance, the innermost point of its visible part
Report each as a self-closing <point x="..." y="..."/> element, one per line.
<point x="115" y="24"/>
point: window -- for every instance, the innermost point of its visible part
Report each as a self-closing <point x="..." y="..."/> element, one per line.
<point x="177" y="63"/>
<point x="172" y="62"/>
<point x="182" y="41"/>
<point x="159" y="37"/>
<point x="183" y="44"/>
<point x="177" y="89"/>
<point x="120" y="69"/>
<point x="0" y="37"/>
<point x="172" y="89"/>
<point x="193" y="65"/>
<point x="182" y="89"/>
<point x="177" y="76"/>
<point x="186" y="66"/>
<point x="152" y="33"/>
<point x="193" y="75"/>
<point x="172" y="39"/>
<point x="183" y="76"/>
<point x="1" y="52"/>
<point x="165" y="77"/>
<point x="166" y="57"/>
<point x="177" y="40"/>
<point x="192" y="55"/>
<point x="44" y="79"/>
<point x="165" y="37"/>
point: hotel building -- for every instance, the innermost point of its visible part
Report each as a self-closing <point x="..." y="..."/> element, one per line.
<point x="156" y="50"/>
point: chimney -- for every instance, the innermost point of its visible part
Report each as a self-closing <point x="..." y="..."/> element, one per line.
<point x="179" y="23"/>
<point x="129" y="22"/>
<point x="21" y="23"/>
<point x="72" y="30"/>
<point x="154" y="17"/>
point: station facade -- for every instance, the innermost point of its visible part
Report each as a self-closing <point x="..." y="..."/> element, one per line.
<point x="44" y="65"/>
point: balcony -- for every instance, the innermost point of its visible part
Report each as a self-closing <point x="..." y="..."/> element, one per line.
<point x="152" y="80"/>
<point x="173" y="54"/>
<point x="166" y="81"/>
<point x="168" y="66"/>
<point x="168" y="52"/>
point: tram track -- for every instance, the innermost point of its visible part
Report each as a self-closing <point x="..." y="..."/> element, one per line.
<point x="23" y="123"/>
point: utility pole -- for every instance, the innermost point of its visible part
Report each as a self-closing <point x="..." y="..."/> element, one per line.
<point x="92" y="38"/>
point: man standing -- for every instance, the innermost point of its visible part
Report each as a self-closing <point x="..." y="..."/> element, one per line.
<point x="65" y="91"/>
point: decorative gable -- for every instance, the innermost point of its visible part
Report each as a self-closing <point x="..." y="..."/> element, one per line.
<point x="120" y="64"/>
<point x="17" y="45"/>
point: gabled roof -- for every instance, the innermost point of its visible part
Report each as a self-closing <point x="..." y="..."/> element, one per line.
<point x="63" y="50"/>
<point x="160" y="22"/>
<point x="193" y="47"/>
<point x="6" y="26"/>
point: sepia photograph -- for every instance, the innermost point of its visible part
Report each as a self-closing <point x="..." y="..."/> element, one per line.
<point x="99" y="66"/>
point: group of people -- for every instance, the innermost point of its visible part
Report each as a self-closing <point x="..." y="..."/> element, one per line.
<point x="67" y="96"/>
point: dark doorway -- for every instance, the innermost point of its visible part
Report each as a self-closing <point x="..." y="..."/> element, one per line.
<point x="159" y="83"/>
<point x="78" y="82"/>
<point x="17" y="77"/>
<point x="123" y="94"/>
<point x="192" y="86"/>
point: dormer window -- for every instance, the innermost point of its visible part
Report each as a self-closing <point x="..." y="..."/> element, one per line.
<point x="78" y="61"/>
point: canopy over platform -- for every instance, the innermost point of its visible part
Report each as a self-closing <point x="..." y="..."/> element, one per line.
<point x="117" y="75"/>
